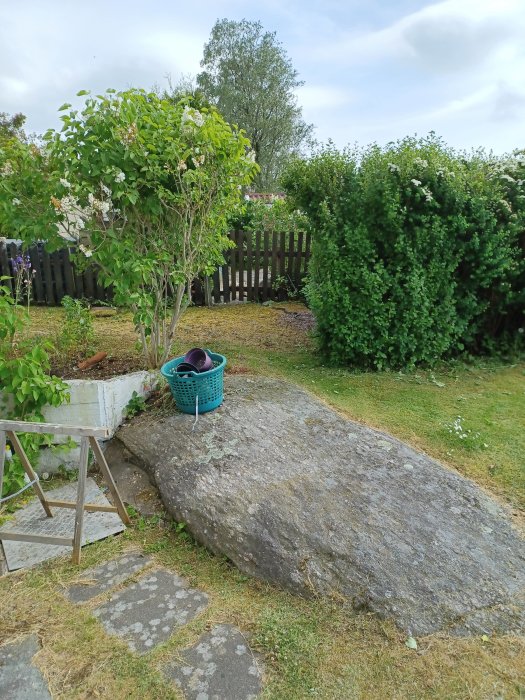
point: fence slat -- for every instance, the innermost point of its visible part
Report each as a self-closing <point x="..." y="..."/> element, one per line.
<point x="68" y="273"/>
<point x="38" y="287"/>
<point x="282" y="256"/>
<point x="265" y="266"/>
<point x="48" y="278"/>
<point x="233" y="253"/>
<point x="216" y="287"/>
<point x="240" y="238"/>
<point x="79" y="282"/>
<point x="257" y="267"/>
<point x="289" y="270"/>
<point x="249" y="266"/>
<point x="275" y="255"/>
<point x="299" y="253"/>
<point x="226" y="279"/>
<point x="56" y="268"/>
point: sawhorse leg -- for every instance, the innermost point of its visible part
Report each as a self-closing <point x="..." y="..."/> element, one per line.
<point x="81" y="497"/>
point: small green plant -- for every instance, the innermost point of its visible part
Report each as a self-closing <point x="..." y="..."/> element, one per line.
<point x="467" y="438"/>
<point x="78" y="334"/>
<point x="136" y="404"/>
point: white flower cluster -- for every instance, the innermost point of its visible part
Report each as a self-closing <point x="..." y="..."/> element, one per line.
<point x="198" y="161"/>
<point x="421" y="162"/>
<point x="427" y="193"/>
<point x="74" y="216"/>
<point x="182" y="166"/>
<point x="393" y="168"/>
<point x="443" y="172"/>
<point x="15" y="202"/>
<point x="415" y="182"/>
<point x="129" y="136"/>
<point x="250" y="156"/>
<point x="457" y="428"/>
<point x="120" y="176"/>
<point x="191" y="117"/>
<point x="65" y="183"/>
<point x="7" y="169"/>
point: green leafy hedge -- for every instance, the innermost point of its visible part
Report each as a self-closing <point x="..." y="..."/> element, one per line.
<point x="417" y="252"/>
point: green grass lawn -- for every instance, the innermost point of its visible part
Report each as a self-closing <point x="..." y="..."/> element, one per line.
<point x="317" y="648"/>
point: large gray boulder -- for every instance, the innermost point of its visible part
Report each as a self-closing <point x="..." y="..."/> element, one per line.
<point x="295" y="494"/>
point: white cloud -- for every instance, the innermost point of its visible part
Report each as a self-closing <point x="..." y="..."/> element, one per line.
<point x="322" y="97"/>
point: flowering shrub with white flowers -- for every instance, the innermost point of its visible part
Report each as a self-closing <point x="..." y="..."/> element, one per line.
<point x="417" y="251"/>
<point x="143" y="188"/>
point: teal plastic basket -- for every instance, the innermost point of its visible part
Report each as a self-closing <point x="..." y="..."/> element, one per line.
<point x="208" y="386"/>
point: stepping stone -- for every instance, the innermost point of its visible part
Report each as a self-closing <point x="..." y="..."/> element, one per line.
<point x="32" y="520"/>
<point x="146" y="613"/>
<point x="19" y="679"/>
<point x="106" y="576"/>
<point x="221" y="666"/>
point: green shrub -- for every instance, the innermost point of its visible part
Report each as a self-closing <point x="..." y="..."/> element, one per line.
<point x="415" y="254"/>
<point x="25" y="382"/>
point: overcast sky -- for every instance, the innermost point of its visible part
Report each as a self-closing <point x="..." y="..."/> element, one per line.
<point x="374" y="70"/>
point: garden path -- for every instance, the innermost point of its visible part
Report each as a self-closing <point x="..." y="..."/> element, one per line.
<point x="143" y="605"/>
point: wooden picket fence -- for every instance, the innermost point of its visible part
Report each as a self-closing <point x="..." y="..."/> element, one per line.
<point x="260" y="267"/>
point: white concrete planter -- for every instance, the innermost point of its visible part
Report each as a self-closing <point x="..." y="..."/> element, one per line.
<point x="93" y="403"/>
<point x="101" y="402"/>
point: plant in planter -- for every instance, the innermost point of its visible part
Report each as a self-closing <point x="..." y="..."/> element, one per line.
<point x="145" y="189"/>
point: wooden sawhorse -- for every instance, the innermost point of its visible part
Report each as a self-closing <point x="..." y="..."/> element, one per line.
<point x="88" y="438"/>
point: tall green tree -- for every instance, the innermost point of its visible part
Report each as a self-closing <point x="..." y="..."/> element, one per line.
<point x="249" y="77"/>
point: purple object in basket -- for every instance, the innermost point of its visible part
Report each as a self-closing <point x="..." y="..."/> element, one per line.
<point x="199" y="358"/>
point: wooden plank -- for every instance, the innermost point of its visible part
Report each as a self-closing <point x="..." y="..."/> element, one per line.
<point x="266" y="250"/>
<point x="2" y="459"/>
<point x="91" y="507"/>
<point x="240" y="249"/>
<point x="49" y="286"/>
<point x="297" y="274"/>
<point x="108" y="478"/>
<point x="216" y="286"/>
<point x="289" y="271"/>
<point x="233" y="254"/>
<point x="68" y="273"/>
<point x="28" y="427"/>
<point x="88" y="284"/>
<point x="28" y="469"/>
<point x="56" y="268"/>
<point x="37" y="539"/>
<point x="81" y="497"/>
<point x="257" y="266"/>
<point x="78" y="279"/>
<point x="274" y="265"/>
<point x="226" y="280"/>
<point x="249" y="265"/>
<point x="100" y="289"/>
<point x="282" y="256"/>
<point x="38" y="284"/>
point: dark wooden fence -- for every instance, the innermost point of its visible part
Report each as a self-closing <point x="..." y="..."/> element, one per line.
<point x="260" y="267"/>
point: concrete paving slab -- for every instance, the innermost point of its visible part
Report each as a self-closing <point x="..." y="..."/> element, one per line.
<point x="147" y="612"/>
<point x="112" y="573"/>
<point x="221" y="666"/>
<point x="19" y="679"/>
<point x="32" y="519"/>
